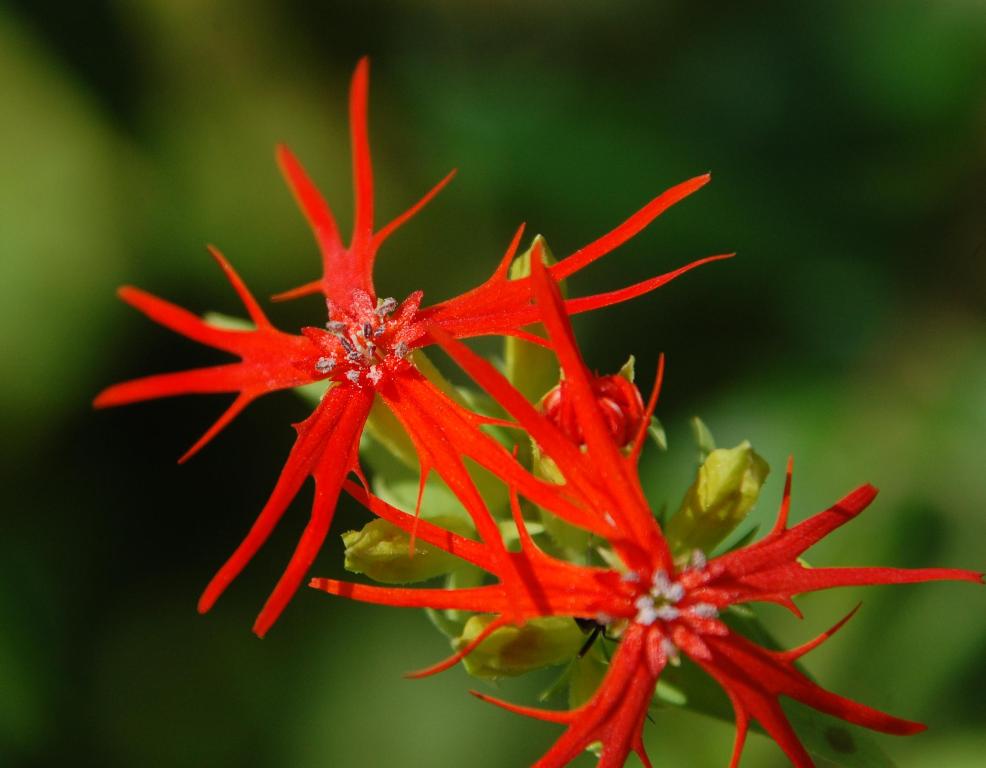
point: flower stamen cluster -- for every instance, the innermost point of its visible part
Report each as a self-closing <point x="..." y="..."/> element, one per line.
<point x="369" y="339"/>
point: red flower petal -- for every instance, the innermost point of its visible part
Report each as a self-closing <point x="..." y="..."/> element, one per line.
<point x="270" y="359"/>
<point x="614" y="715"/>
<point x="325" y="450"/>
<point x="501" y="305"/>
<point x="755" y="678"/>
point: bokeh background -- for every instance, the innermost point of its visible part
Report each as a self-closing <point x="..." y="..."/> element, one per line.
<point x="848" y="145"/>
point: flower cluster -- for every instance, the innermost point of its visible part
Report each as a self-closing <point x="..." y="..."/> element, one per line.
<point x="598" y="571"/>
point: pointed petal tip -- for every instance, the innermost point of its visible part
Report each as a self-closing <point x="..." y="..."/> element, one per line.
<point x="284" y="158"/>
<point x="261" y="628"/>
<point x="103" y="399"/>
<point x="128" y="293"/>
<point x="308" y="289"/>
<point x="217" y="255"/>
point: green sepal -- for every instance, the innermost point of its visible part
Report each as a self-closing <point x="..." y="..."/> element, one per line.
<point x="703" y="438"/>
<point x="512" y="651"/>
<point x="627" y="370"/>
<point x="444" y="624"/>
<point x="669" y="694"/>
<point x="655" y="430"/>
<point x="726" y="487"/>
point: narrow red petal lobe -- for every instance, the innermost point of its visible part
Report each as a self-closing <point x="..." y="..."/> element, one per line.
<point x="628" y="229"/>
<point x="490" y="599"/>
<point x="389" y="229"/>
<point x="501" y="305"/>
<point x="270" y="360"/>
<point x="324" y="450"/>
<point x="617" y="473"/>
<point x="459" y="655"/>
<point x="362" y="165"/>
<point x="614" y="715"/>
<point x="755" y="678"/>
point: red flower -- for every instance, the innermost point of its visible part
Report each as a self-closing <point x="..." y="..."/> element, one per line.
<point x="363" y="351"/>
<point x="669" y="608"/>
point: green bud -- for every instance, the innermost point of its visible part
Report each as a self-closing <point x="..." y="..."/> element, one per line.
<point x="512" y="651"/>
<point x="533" y="370"/>
<point x="381" y="550"/>
<point x="726" y="487"/>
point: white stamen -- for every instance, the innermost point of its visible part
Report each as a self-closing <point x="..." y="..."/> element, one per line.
<point x="646" y="613"/>
<point x="353" y="375"/>
<point x="704" y="610"/>
<point x="325" y="364"/>
<point x="699" y="560"/>
<point x="670" y="650"/>
<point x="660" y="582"/>
<point x="668" y="613"/>
<point x="400" y="349"/>
<point x="374" y="375"/>
<point x="335" y="326"/>
<point x="674" y="593"/>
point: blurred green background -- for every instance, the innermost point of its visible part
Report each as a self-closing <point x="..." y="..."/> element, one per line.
<point x="848" y="146"/>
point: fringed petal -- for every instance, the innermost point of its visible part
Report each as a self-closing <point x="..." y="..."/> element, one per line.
<point x="755" y="678"/>
<point x="770" y="570"/>
<point x="491" y="599"/>
<point x="362" y="165"/>
<point x="324" y="450"/>
<point x="270" y="360"/>
<point x="614" y="715"/>
<point x="500" y="304"/>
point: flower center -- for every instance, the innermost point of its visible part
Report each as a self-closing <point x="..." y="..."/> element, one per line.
<point x="668" y="604"/>
<point x="366" y="341"/>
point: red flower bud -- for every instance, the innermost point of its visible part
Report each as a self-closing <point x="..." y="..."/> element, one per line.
<point x="618" y="399"/>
